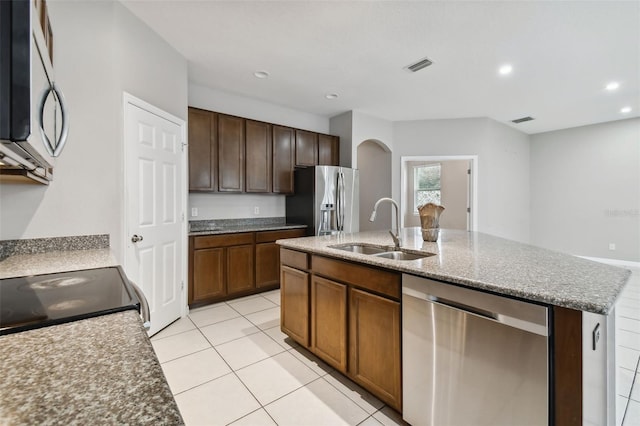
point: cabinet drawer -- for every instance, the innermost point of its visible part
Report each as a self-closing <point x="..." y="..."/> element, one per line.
<point x="271" y="236"/>
<point x="377" y="280"/>
<point x="296" y="259"/>
<point x="223" y="240"/>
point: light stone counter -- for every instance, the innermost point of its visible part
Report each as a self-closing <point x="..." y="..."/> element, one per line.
<point x="489" y="263"/>
<point x="99" y="370"/>
<point x="55" y="261"/>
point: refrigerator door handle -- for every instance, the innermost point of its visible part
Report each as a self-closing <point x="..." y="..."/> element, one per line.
<point x="340" y="201"/>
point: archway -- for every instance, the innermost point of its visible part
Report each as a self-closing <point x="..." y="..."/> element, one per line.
<point x="374" y="164"/>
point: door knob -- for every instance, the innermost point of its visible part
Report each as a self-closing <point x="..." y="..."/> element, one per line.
<point x="136" y="238"/>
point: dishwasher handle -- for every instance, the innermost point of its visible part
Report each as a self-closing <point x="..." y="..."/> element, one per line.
<point x="462" y="307"/>
<point x="500" y="316"/>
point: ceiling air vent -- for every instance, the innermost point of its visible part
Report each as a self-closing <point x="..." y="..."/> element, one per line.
<point x="522" y="120"/>
<point x="423" y="63"/>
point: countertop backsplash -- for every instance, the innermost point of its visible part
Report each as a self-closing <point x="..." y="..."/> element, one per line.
<point x="44" y="245"/>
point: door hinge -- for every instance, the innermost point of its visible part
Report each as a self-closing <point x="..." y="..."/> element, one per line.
<point x="183" y="217"/>
<point x="183" y="145"/>
<point x="468" y="171"/>
<point x="181" y="285"/>
<point x="468" y="209"/>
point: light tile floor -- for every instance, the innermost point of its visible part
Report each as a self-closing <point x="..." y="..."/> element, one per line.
<point x="628" y="353"/>
<point x="229" y="363"/>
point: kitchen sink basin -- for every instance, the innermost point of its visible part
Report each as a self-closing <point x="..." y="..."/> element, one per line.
<point x="386" y="252"/>
<point x="361" y="248"/>
<point x="402" y="255"/>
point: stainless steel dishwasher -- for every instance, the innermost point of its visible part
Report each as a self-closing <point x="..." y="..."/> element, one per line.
<point x="472" y="358"/>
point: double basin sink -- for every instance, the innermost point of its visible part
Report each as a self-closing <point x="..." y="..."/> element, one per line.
<point x="377" y="251"/>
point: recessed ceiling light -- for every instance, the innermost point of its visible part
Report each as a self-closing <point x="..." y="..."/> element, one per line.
<point x="331" y="95"/>
<point x="625" y="110"/>
<point x="612" y="86"/>
<point x="505" y="69"/>
<point x="261" y="74"/>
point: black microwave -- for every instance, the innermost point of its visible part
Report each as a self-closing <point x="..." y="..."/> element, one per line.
<point x="34" y="122"/>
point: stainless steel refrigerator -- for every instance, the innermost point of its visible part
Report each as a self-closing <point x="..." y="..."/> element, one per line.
<point x="325" y="199"/>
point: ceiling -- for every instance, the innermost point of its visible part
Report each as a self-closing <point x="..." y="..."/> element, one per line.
<point x="563" y="54"/>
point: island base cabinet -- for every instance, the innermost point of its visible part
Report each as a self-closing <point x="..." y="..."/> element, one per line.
<point x="329" y="322"/>
<point x="374" y="345"/>
<point x="294" y="304"/>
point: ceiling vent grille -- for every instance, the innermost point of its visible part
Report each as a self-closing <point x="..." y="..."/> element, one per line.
<point x="423" y="63"/>
<point x="522" y="120"/>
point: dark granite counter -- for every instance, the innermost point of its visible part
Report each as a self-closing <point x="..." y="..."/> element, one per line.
<point x="233" y="226"/>
<point x="101" y="370"/>
<point x="490" y="263"/>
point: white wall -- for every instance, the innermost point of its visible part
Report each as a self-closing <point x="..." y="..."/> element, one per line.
<point x="585" y="190"/>
<point x="341" y="126"/>
<point x="100" y="50"/>
<point x="366" y="127"/>
<point x="503" y="166"/>
<point x="375" y="183"/>
<point x="238" y="206"/>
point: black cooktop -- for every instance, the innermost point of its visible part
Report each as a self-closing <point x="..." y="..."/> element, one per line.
<point x="42" y="300"/>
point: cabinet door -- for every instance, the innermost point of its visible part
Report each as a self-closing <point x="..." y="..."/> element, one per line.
<point x="202" y="151"/>
<point x="294" y="304"/>
<point x="240" y="269"/>
<point x="374" y="345"/>
<point x="267" y="264"/>
<point x="283" y="159"/>
<point x="230" y="153"/>
<point x="258" y="156"/>
<point x="306" y="148"/>
<point x="328" y="150"/>
<point x="329" y="321"/>
<point x="208" y="274"/>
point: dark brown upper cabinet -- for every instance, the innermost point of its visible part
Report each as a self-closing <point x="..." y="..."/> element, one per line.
<point x="230" y="153"/>
<point x="203" y="150"/>
<point x="283" y="159"/>
<point x="235" y="154"/>
<point x="306" y="148"/>
<point x="328" y="150"/>
<point x="259" y="156"/>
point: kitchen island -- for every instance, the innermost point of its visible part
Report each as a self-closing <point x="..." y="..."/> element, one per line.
<point x="346" y="307"/>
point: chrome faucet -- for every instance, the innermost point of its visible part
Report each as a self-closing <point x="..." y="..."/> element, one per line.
<point x="396" y="237"/>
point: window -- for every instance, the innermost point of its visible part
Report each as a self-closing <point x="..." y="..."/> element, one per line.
<point x="426" y="184"/>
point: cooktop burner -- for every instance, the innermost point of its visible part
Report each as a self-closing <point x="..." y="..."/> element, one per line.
<point x="43" y="300"/>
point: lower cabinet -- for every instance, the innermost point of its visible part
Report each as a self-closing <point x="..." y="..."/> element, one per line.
<point x="208" y="274"/>
<point x="294" y="306"/>
<point x="240" y="269"/>
<point x="374" y="345"/>
<point x="329" y="321"/>
<point x="231" y="265"/>
<point x="347" y="314"/>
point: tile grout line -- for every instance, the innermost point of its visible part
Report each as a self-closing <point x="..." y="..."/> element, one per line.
<point x="626" y="408"/>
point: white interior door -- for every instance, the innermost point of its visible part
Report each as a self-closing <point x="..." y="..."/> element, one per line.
<point x="155" y="190"/>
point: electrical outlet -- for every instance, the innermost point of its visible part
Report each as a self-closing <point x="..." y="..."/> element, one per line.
<point x="612" y="246"/>
<point x="256" y="210"/>
<point x="194" y="211"/>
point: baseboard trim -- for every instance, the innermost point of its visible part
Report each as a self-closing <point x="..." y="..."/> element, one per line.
<point x="615" y="262"/>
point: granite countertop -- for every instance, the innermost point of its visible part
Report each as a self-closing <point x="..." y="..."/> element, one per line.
<point x="100" y="370"/>
<point x="233" y="226"/>
<point x="490" y="263"/>
<point x="55" y="261"/>
<point x="245" y="228"/>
